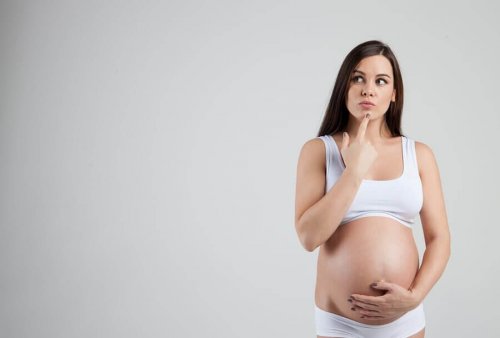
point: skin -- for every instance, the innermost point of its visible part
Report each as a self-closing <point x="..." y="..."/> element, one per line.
<point x="367" y="141"/>
<point x="397" y="299"/>
<point x="377" y="89"/>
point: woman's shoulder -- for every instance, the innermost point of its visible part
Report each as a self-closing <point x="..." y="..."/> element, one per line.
<point x="314" y="146"/>
<point x="421" y="147"/>
<point x="326" y="139"/>
<point x="425" y="156"/>
<point x="312" y="156"/>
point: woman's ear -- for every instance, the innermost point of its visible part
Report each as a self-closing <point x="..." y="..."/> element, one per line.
<point x="393" y="99"/>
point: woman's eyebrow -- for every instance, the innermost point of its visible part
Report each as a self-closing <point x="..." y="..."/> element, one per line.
<point x="358" y="71"/>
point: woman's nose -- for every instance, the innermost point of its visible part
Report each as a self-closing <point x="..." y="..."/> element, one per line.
<point x="367" y="90"/>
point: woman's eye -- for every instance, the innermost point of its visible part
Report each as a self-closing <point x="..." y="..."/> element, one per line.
<point x="356" y="78"/>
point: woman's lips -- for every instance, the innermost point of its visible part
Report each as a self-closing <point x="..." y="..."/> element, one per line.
<point x="367" y="105"/>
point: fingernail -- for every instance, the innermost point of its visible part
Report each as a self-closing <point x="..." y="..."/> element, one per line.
<point x="373" y="284"/>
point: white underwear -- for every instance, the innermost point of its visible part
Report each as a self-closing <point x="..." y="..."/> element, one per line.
<point x="333" y="325"/>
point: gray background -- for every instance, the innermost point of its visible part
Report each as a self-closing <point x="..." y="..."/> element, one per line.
<point x="149" y="151"/>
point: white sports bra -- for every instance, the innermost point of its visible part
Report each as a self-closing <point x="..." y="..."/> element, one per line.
<point x="400" y="198"/>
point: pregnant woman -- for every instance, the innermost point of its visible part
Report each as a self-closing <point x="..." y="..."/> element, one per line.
<point x="360" y="186"/>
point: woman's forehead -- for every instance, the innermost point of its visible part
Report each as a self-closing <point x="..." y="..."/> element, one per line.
<point x="376" y="64"/>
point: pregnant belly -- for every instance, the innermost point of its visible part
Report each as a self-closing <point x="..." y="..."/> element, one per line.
<point x="359" y="253"/>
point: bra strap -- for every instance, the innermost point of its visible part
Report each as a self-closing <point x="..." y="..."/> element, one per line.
<point x="411" y="156"/>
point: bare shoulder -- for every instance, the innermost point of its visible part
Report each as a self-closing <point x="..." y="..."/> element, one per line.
<point x="312" y="154"/>
<point x="310" y="182"/>
<point x="425" y="157"/>
<point x="433" y="211"/>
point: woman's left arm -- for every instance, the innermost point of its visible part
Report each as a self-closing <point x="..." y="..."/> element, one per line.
<point x="397" y="299"/>
<point x="434" y="225"/>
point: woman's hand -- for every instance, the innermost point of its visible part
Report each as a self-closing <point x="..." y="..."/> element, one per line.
<point x="358" y="154"/>
<point x="394" y="303"/>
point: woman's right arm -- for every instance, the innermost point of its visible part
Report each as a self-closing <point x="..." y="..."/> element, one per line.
<point x="317" y="215"/>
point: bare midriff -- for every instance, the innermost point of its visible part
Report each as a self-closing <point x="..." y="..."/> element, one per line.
<point x="359" y="253"/>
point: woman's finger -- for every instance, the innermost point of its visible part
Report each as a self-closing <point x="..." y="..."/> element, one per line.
<point x="373" y="300"/>
<point x="364" y="305"/>
<point x="362" y="128"/>
<point x="368" y="312"/>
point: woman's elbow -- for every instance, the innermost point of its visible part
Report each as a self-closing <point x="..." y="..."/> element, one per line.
<point x="309" y="245"/>
<point x="305" y="237"/>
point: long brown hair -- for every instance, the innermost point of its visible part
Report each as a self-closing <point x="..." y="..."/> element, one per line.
<point x="337" y="115"/>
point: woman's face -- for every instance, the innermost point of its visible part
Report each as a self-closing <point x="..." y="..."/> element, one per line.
<point x="372" y="80"/>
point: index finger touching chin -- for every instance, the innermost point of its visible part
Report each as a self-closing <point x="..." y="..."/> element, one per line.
<point x="362" y="127"/>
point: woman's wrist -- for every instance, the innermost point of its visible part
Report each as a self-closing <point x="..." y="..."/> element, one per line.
<point x="417" y="297"/>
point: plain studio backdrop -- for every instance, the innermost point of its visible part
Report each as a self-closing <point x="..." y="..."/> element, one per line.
<point x="149" y="152"/>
